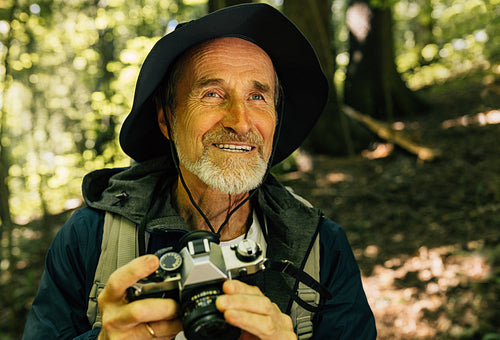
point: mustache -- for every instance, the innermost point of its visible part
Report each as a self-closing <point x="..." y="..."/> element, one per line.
<point x="223" y="135"/>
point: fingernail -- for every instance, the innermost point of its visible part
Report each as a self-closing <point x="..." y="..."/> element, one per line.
<point x="151" y="261"/>
<point x="228" y="286"/>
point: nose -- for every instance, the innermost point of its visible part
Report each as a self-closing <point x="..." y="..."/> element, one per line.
<point x="237" y="118"/>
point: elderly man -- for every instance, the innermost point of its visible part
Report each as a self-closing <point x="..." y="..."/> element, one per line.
<point x="218" y="102"/>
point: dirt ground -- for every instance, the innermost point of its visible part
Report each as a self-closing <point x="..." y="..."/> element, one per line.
<point x="426" y="234"/>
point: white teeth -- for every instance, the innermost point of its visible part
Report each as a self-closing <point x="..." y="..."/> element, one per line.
<point x="234" y="148"/>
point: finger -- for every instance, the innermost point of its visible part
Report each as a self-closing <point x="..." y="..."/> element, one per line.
<point x="127" y="275"/>
<point x="237" y="287"/>
<point x="166" y="329"/>
<point x="163" y="330"/>
<point x="262" y="326"/>
<point x="132" y="317"/>
<point x="148" y="310"/>
<point x="259" y="304"/>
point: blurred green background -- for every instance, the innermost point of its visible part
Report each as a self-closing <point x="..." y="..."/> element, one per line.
<point x="68" y="70"/>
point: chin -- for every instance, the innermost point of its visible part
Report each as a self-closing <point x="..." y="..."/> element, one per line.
<point x="231" y="177"/>
<point x="233" y="181"/>
<point x="232" y="174"/>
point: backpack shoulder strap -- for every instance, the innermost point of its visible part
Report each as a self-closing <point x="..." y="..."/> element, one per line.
<point x="301" y="317"/>
<point x="119" y="246"/>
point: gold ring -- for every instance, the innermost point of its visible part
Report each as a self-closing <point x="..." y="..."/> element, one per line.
<point x="150" y="329"/>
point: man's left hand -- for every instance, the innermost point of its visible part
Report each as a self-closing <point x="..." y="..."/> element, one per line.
<point x="246" y="307"/>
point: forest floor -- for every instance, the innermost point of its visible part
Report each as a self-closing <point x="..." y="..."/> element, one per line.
<point x="425" y="234"/>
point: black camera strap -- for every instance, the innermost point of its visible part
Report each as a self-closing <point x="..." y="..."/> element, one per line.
<point x="290" y="269"/>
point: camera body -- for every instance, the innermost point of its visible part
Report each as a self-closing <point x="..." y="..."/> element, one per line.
<point x="193" y="276"/>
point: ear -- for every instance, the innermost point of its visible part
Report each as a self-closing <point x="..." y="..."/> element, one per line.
<point x="161" y="119"/>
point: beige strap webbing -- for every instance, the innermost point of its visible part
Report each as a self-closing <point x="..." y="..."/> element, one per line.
<point x="119" y="247"/>
<point x="302" y="318"/>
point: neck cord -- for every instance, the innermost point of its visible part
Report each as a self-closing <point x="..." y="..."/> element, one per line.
<point x="191" y="199"/>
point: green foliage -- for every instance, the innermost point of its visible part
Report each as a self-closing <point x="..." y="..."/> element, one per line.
<point x="382" y="3"/>
<point x="68" y="70"/>
<point x="438" y="39"/>
<point x="72" y="67"/>
<point x="434" y="39"/>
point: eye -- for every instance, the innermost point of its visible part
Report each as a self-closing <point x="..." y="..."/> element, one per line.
<point x="256" y="96"/>
<point x="211" y="94"/>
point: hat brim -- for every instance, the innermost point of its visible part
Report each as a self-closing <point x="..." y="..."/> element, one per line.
<point x="305" y="87"/>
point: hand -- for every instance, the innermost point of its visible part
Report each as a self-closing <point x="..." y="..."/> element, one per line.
<point x="246" y="307"/>
<point x="123" y="320"/>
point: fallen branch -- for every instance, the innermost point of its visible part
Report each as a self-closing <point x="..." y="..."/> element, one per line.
<point x="384" y="131"/>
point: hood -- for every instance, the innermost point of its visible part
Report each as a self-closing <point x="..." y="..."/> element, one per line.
<point x="127" y="191"/>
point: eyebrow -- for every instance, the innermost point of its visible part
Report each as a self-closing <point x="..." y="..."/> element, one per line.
<point x="200" y="83"/>
<point x="207" y="81"/>
<point x="265" y="88"/>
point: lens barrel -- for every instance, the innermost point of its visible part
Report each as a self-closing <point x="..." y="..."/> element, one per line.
<point x="201" y="318"/>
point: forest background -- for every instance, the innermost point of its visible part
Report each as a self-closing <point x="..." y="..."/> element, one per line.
<point x="406" y="156"/>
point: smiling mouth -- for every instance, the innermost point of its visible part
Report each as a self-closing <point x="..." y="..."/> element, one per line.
<point x="234" y="148"/>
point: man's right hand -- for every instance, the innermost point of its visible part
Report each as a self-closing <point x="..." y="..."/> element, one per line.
<point x="141" y="319"/>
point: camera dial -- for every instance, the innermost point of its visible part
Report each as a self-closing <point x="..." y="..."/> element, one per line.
<point x="170" y="261"/>
<point x="247" y="250"/>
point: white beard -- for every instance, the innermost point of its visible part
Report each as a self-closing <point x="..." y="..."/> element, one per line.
<point x="232" y="174"/>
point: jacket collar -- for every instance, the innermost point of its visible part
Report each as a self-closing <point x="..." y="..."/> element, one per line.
<point x="127" y="191"/>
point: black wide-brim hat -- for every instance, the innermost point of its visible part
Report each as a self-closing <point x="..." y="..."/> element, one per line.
<point x="305" y="87"/>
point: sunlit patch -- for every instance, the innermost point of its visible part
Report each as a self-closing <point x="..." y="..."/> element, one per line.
<point x="21" y="264"/>
<point x="400" y="126"/>
<point x="26" y="233"/>
<point x="21" y="220"/>
<point x="406" y="289"/>
<point x="332" y="178"/>
<point x="381" y="150"/>
<point x="358" y="20"/>
<point x="335" y="177"/>
<point x="72" y="203"/>
<point x="371" y="251"/>
<point x="481" y="119"/>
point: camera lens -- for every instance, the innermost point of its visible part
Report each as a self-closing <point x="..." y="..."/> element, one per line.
<point x="201" y="318"/>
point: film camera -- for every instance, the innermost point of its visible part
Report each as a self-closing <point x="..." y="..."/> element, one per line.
<point x="193" y="274"/>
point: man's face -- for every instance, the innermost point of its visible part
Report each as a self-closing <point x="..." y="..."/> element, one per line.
<point x="224" y="121"/>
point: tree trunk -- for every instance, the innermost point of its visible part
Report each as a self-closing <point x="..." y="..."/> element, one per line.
<point x="385" y="131"/>
<point x="5" y="216"/>
<point x="313" y="17"/>
<point x="373" y="85"/>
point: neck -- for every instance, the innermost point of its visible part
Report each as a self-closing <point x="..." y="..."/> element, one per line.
<point x="215" y="205"/>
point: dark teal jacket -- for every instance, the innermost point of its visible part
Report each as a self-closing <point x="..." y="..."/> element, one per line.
<point x="59" y="308"/>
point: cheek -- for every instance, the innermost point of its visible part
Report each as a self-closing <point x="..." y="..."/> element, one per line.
<point x="267" y="129"/>
<point x="195" y="125"/>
